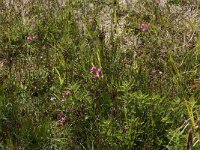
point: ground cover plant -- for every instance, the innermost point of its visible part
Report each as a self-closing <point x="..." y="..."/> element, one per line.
<point x="107" y="74"/>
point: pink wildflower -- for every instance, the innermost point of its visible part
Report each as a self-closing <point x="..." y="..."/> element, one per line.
<point x="143" y="26"/>
<point x="62" y="100"/>
<point x="32" y="37"/>
<point x="67" y="93"/>
<point x="63" y="120"/>
<point x="97" y="71"/>
<point x="97" y="74"/>
<point x="92" y="69"/>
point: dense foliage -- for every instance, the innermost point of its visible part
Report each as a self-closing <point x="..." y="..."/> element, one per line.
<point x="68" y="81"/>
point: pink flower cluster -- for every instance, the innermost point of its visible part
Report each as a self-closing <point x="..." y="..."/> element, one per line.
<point x="144" y="26"/>
<point x="32" y="37"/>
<point x="61" y="118"/>
<point x="67" y="93"/>
<point x="96" y="72"/>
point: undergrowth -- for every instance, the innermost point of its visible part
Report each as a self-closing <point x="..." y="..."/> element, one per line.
<point x="68" y="81"/>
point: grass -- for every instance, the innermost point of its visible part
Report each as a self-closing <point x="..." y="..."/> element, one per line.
<point x="143" y="89"/>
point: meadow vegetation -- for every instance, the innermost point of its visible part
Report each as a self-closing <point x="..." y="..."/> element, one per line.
<point x="100" y="75"/>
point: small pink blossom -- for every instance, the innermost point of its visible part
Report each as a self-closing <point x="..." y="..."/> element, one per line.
<point x="97" y="74"/>
<point x="62" y="100"/>
<point x="92" y="69"/>
<point x="32" y="37"/>
<point x="143" y="26"/>
<point x="97" y="71"/>
<point x="63" y="120"/>
<point x="67" y="93"/>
